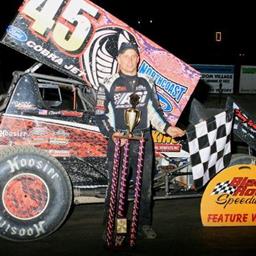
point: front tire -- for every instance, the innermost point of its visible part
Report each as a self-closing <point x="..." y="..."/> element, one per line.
<point x="35" y="191"/>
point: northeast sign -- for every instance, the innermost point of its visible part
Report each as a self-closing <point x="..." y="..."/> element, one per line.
<point x="81" y="40"/>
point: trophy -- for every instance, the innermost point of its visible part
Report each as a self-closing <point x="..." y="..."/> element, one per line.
<point x="116" y="229"/>
<point x="132" y="115"/>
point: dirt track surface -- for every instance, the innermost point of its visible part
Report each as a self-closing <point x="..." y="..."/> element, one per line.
<point x="177" y="222"/>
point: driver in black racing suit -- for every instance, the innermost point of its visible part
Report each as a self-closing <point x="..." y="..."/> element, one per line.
<point x="113" y="97"/>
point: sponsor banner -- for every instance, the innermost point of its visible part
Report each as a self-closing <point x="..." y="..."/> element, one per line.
<point x="164" y="143"/>
<point x="162" y="147"/>
<point x="247" y="79"/>
<point x="70" y="138"/>
<point x="81" y="40"/>
<point x="230" y="198"/>
<point x="220" y="78"/>
<point x="244" y="124"/>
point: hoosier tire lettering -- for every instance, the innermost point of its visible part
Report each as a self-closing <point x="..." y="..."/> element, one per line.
<point x="34" y="231"/>
<point x="17" y="163"/>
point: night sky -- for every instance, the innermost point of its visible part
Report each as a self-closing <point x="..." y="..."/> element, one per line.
<point x="188" y="29"/>
<point x="185" y="29"/>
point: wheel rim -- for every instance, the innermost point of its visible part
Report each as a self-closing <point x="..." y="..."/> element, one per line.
<point x="25" y="196"/>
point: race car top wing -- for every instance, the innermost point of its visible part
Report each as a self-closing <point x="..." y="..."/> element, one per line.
<point x="81" y="40"/>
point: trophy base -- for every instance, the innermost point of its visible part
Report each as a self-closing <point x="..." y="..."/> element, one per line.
<point x="129" y="137"/>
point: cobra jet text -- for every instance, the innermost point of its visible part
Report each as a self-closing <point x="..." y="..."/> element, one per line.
<point x="44" y="52"/>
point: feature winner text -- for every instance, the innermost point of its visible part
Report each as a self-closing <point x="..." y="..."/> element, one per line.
<point x="231" y="217"/>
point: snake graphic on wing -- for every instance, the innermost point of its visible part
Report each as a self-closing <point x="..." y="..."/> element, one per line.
<point x="99" y="60"/>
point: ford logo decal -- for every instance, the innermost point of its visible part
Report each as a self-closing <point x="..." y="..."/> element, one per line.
<point x="17" y="33"/>
<point x="165" y="104"/>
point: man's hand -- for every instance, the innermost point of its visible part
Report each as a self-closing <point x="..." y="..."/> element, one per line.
<point x="118" y="134"/>
<point x="175" y="132"/>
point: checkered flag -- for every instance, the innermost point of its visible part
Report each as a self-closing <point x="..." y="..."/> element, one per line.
<point x="223" y="188"/>
<point x="209" y="147"/>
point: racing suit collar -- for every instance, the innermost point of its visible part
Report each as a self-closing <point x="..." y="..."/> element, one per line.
<point x="127" y="76"/>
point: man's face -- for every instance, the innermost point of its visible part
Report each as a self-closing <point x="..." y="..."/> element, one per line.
<point x="128" y="62"/>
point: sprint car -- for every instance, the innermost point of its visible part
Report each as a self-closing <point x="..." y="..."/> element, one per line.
<point x="53" y="155"/>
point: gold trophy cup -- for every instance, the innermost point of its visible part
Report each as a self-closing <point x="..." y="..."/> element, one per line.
<point x="132" y="115"/>
<point x="132" y="118"/>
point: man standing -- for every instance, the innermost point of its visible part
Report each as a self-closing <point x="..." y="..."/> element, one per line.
<point x="113" y="98"/>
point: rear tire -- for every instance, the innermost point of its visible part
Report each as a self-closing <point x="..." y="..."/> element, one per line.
<point x="36" y="194"/>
